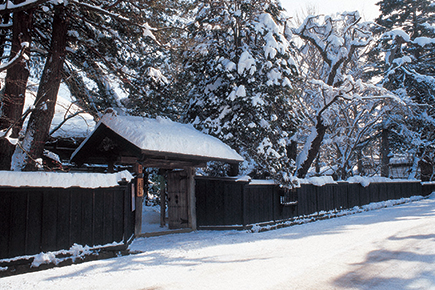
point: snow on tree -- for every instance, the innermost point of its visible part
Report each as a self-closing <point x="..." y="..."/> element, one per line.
<point x="239" y="73"/>
<point x="152" y="91"/>
<point x="32" y="146"/>
<point x="342" y="111"/>
<point x="12" y="97"/>
<point x="95" y="43"/>
<point x="405" y="60"/>
<point x="105" y="41"/>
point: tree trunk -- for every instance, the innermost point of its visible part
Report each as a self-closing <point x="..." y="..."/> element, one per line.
<point x="360" y="163"/>
<point x="292" y="150"/>
<point x="385" y="154"/>
<point x="12" y="101"/>
<point x="314" y="149"/>
<point x="16" y="78"/>
<point x="40" y="120"/>
<point x="426" y="168"/>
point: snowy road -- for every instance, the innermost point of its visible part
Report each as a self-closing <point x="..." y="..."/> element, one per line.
<point x="390" y="248"/>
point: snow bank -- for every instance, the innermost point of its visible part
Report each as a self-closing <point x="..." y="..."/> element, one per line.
<point x="62" y="180"/>
<point x="75" y="252"/>
<point x="322" y="215"/>
<point x="245" y="178"/>
<point x="164" y="135"/>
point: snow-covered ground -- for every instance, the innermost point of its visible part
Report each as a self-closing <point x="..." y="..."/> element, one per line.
<point x="151" y="220"/>
<point x="389" y="248"/>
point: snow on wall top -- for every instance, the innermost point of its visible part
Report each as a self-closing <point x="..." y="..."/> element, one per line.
<point x="323" y="180"/>
<point x="164" y="135"/>
<point x="62" y="180"/>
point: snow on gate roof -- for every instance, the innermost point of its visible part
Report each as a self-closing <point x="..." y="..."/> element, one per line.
<point x="156" y="137"/>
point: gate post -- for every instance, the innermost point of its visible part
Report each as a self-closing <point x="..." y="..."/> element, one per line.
<point x="139" y="184"/>
<point x="191" y="197"/>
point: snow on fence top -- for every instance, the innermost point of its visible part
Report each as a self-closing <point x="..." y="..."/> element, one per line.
<point x="323" y="180"/>
<point x="365" y="181"/>
<point x="164" y="135"/>
<point x="62" y="180"/>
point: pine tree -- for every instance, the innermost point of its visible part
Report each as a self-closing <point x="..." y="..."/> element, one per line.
<point x="238" y="73"/>
<point x="32" y="146"/>
<point x="405" y="59"/>
<point x="152" y="90"/>
<point x="409" y="42"/>
<point x="13" y="94"/>
<point x="96" y="45"/>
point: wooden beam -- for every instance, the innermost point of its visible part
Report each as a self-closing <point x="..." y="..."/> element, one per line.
<point x="171" y="164"/>
<point x="181" y="156"/>
<point x="127" y="160"/>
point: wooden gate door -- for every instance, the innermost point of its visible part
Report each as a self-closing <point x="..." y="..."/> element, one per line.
<point x="178" y="203"/>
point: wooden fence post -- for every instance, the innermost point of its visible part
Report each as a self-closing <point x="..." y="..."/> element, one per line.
<point x="191" y="197"/>
<point x="139" y="198"/>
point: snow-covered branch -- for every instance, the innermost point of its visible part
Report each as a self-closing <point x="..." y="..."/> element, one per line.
<point x="335" y="44"/>
<point x="17" y="58"/>
<point x="145" y="27"/>
<point x="10" y="7"/>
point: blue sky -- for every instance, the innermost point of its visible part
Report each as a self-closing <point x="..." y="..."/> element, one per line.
<point x="367" y="8"/>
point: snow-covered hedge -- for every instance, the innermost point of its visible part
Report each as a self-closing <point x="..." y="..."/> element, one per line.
<point x="62" y="180"/>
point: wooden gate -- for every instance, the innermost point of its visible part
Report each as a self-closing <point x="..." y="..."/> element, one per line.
<point x="178" y="202"/>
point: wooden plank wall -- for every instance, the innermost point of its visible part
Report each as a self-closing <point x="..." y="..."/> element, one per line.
<point x="258" y="203"/>
<point x="219" y="202"/>
<point x="224" y="202"/>
<point x="34" y="220"/>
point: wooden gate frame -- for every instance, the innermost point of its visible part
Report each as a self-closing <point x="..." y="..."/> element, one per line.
<point x="191" y="202"/>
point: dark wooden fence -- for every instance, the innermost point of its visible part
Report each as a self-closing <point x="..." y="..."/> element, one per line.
<point x="34" y="220"/>
<point x="223" y="202"/>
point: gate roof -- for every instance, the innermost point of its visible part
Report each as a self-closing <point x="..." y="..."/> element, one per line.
<point x="156" y="142"/>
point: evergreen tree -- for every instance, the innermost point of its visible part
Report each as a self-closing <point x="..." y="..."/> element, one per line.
<point x="152" y="90"/>
<point x="238" y="74"/>
<point x="92" y="53"/>
<point x="32" y="145"/>
<point x="405" y="57"/>
<point x="13" y="94"/>
<point x="409" y="44"/>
